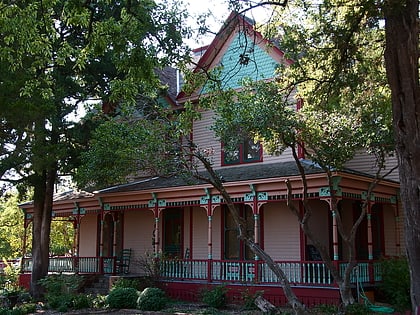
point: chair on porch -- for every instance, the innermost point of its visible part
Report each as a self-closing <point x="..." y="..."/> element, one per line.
<point x="123" y="261"/>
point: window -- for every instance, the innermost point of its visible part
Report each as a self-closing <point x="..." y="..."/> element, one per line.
<point x="234" y="248"/>
<point x="247" y="152"/>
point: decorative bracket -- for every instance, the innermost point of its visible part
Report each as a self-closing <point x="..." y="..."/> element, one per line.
<point x="261" y="196"/>
<point x="365" y="196"/>
<point x="325" y="192"/>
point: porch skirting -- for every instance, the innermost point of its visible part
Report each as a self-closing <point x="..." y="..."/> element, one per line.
<point x="309" y="295"/>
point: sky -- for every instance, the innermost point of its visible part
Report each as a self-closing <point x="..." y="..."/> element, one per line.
<point x="219" y="12"/>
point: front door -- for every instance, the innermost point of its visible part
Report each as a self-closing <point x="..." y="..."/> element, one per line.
<point x="172" y="232"/>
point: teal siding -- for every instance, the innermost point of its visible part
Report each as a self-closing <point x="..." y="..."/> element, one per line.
<point x="260" y="64"/>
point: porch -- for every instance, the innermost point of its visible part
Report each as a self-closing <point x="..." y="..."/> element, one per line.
<point x="302" y="273"/>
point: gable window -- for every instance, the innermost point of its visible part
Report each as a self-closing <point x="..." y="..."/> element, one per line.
<point x="234" y="248"/>
<point x="247" y="152"/>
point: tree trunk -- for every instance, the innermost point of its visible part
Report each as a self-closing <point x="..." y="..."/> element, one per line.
<point x="43" y="199"/>
<point x="401" y="56"/>
<point x="298" y="307"/>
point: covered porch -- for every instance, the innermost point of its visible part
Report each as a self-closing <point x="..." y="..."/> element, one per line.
<point x="187" y="230"/>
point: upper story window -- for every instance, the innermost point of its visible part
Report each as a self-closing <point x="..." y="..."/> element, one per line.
<point x="247" y="152"/>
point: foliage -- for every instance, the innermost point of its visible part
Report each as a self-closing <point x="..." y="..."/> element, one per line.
<point x="62" y="238"/>
<point x="325" y="309"/>
<point x="10" y="278"/>
<point x="99" y="301"/>
<point x="357" y="309"/>
<point x="131" y="142"/>
<point x="215" y="297"/>
<point x="396" y="282"/>
<point x="126" y="283"/>
<point x="11" y="227"/>
<point x="57" y="56"/>
<point x="123" y="298"/>
<point x="152" y="299"/>
<point x="62" y="292"/>
<point x="249" y="299"/>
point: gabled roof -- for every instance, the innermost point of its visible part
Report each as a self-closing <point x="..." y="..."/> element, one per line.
<point x="242" y="52"/>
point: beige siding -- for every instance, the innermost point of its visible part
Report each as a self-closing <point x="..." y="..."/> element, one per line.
<point x="281" y="232"/>
<point x="393" y="232"/>
<point x="138" y="231"/>
<point x="88" y="233"/>
<point x="390" y="231"/>
<point x="205" y="139"/>
<point x="199" y="236"/>
<point x="217" y="234"/>
<point x="366" y="163"/>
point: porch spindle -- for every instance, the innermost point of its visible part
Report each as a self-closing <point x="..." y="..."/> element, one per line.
<point x="156" y="236"/>
<point x="369" y="235"/>
<point x="335" y="236"/>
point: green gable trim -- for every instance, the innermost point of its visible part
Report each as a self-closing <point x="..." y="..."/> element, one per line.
<point x="244" y="60"/>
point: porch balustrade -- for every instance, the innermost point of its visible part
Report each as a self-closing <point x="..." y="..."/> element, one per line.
<point x="258" y="272"/>
<point x="297" y="272"/>
<point x="99" y="265"/>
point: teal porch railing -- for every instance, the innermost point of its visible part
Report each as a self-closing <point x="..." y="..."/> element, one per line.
<point x="297" y="272"/>
<point x="92" y="265"/>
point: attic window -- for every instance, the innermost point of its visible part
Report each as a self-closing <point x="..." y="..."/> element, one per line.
<point x="247" y="152"/>
<point x="244" y="59"/>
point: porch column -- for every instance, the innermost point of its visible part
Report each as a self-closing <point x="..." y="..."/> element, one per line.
<point x="101" y="244"/>
<point x="25" y="235"/>
<point x="114" y="241"/>
<point x="209" y="237"/>
<point x="156" y="236"/>
<point x="397" y="229"/>
<point x="156" y="230"/>
<point x="333" y="205"/>
<point x="369" y="231"/>
<point x="335" y="236"/>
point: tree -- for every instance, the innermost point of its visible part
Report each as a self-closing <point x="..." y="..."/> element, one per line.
<point x="12" y="230"/>
<point x="398" y="43"/>
<point x="402" y="65"/>
<point x="265" y="111"/>
<point x="55" y="56"/>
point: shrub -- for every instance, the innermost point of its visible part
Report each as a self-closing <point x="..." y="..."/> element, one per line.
<point x="62" y="292"/>
<point x="81" y="301"/>
<point x="357" y="309"/>
<point x="126" y="283"/>
<point x="396" y="282"/>
<point x="216" y="297"/>
<point x="123" y="298"/>
<point x="248" y="299"/>
<point x="152" y="299"/>
<point x="325" y="309"/>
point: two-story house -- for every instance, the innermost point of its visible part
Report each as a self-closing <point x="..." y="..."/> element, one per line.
<point x="189" y="227"/>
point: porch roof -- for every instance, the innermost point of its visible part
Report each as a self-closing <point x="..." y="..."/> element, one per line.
<point x="228" y="175"/>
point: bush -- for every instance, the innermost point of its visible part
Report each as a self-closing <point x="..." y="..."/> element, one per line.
<point x="357" y="309"/>
<point x="62" y="292"/>
<point x="216" y="297"/>
<point x="325" y="309"/>
<point x="126" y="283"/>
<point x="81" y="301"/>
<point x="248" y="299"/>
<point x="152" y="299"/>
<point x="396" y="282"/>
<point x="123" y="298"/>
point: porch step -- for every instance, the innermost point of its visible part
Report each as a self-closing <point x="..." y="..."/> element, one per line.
<point x="96" y="285"/>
